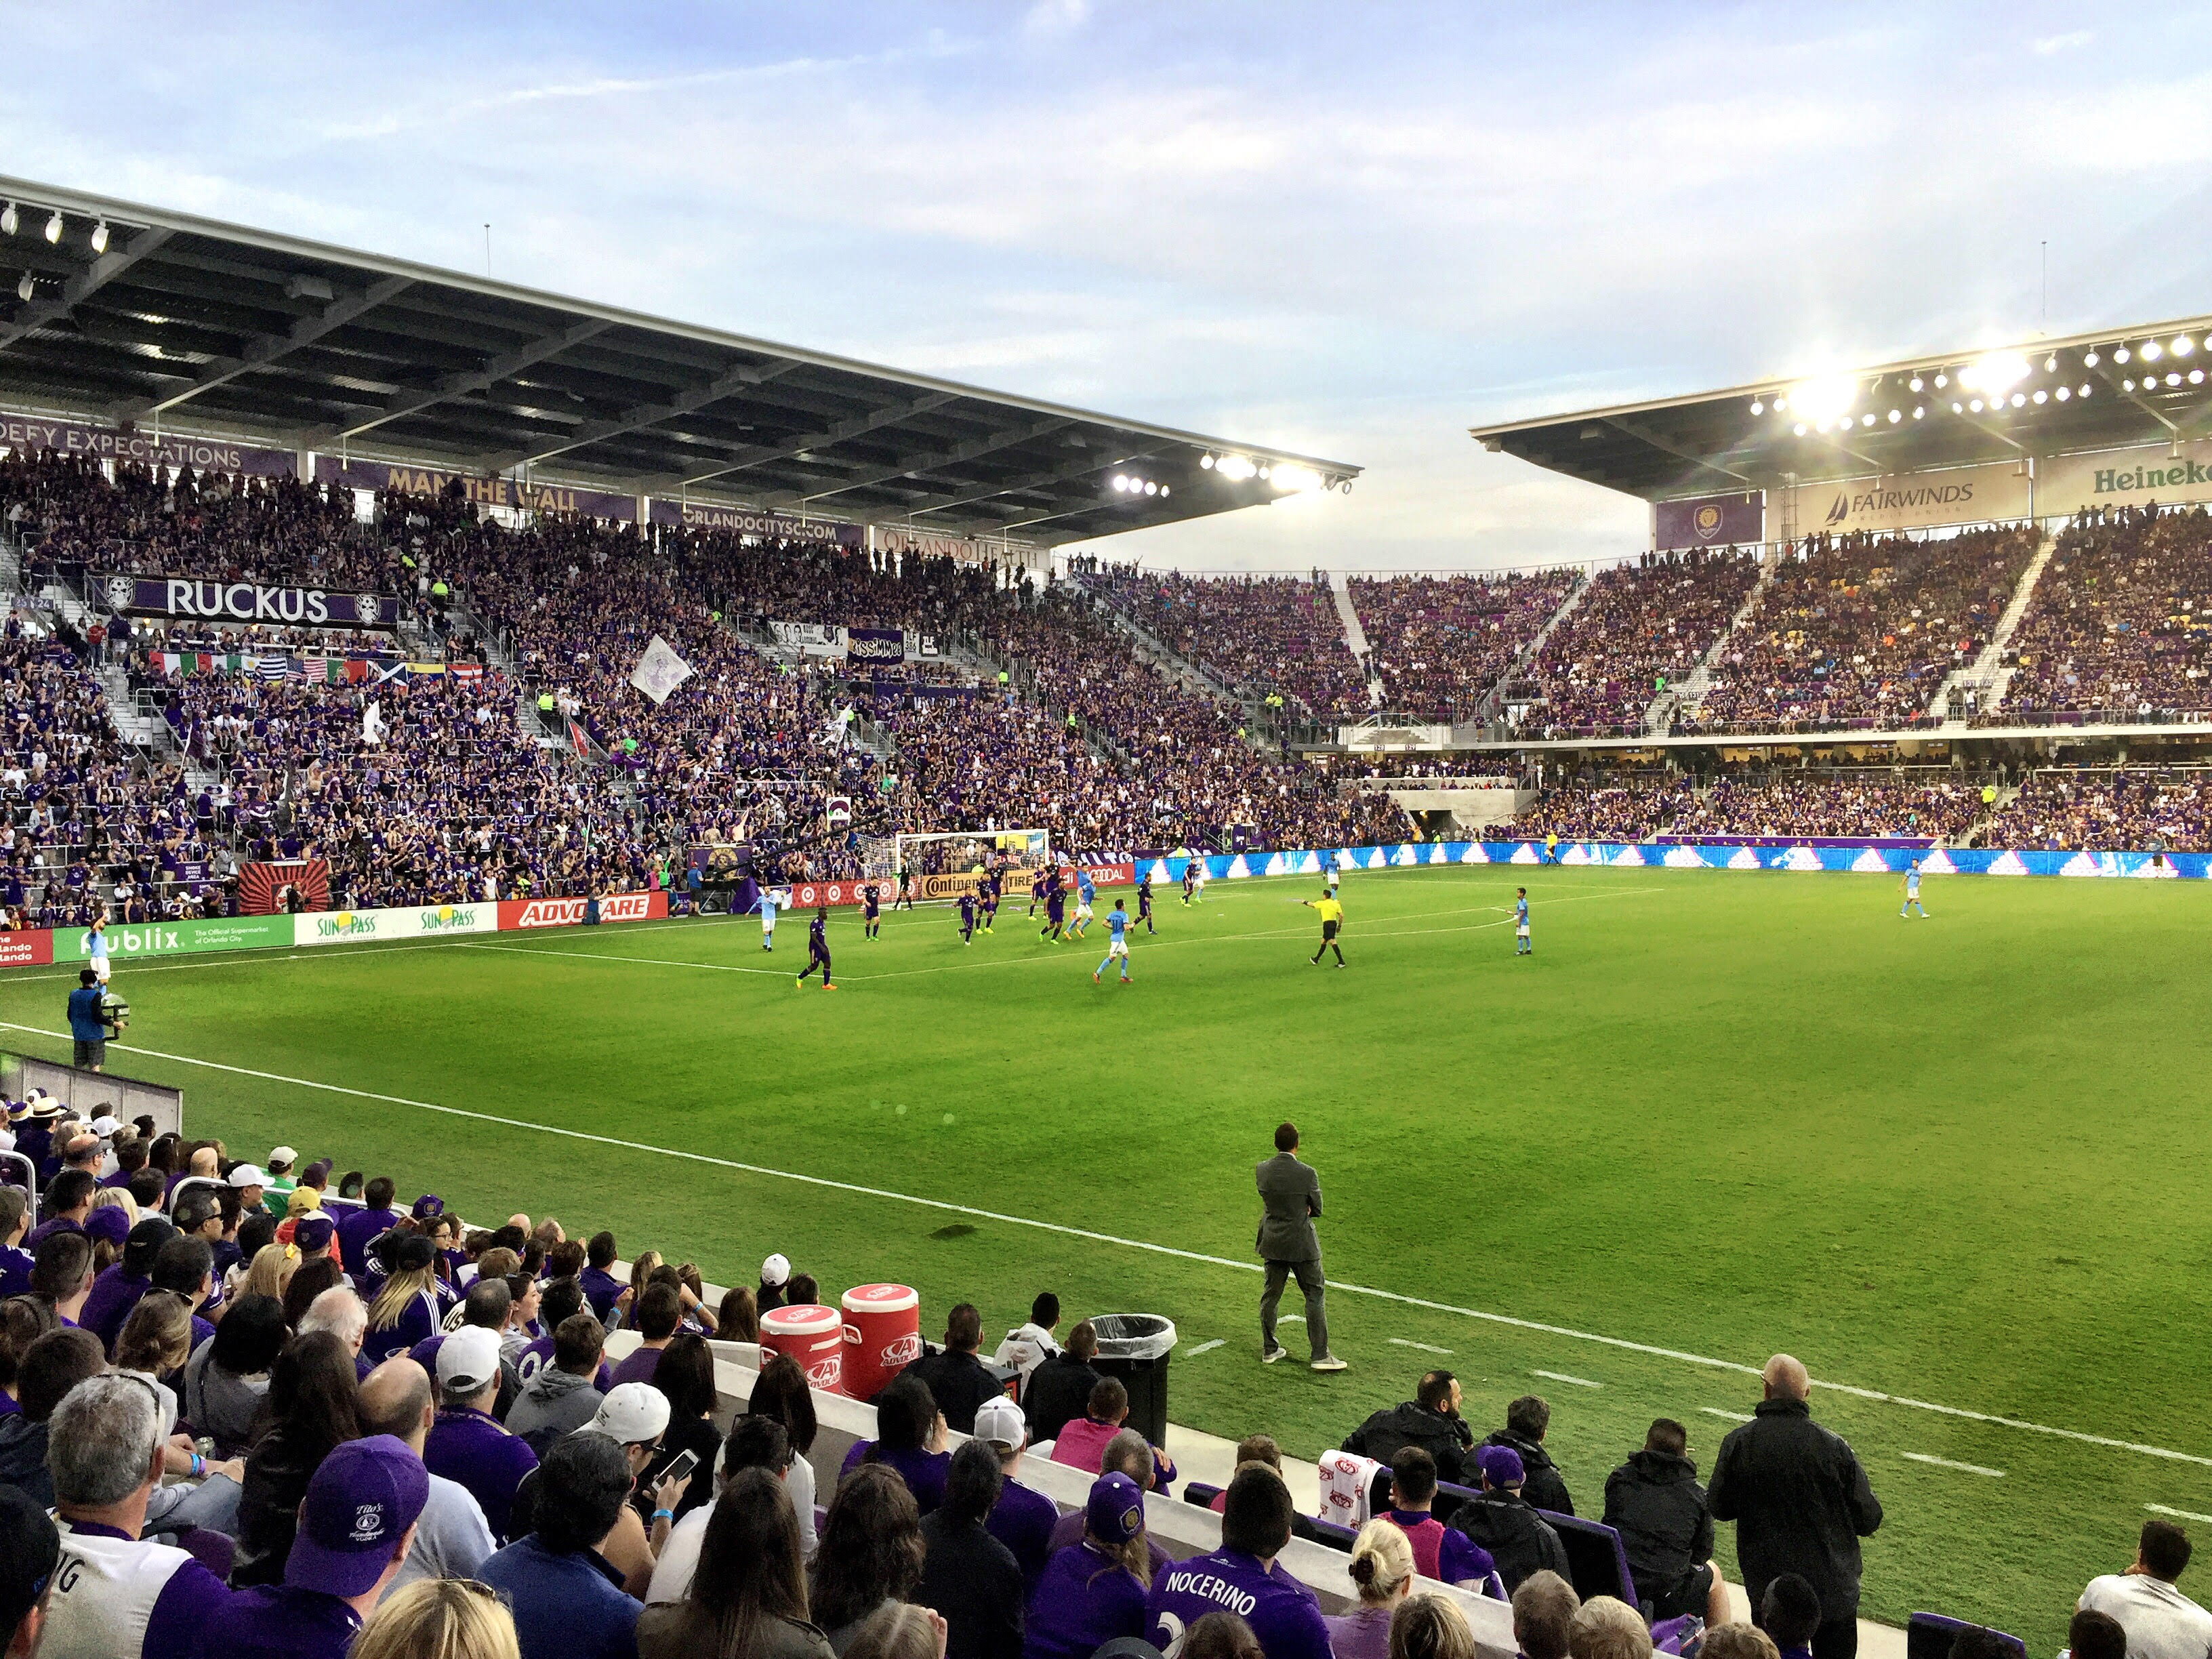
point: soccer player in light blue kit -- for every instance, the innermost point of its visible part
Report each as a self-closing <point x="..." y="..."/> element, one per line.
<point x="1912" y="894"/>
<point x="1117" y="921"/>
<point x="1521" y="947"/>
<point x="766" y="905"/>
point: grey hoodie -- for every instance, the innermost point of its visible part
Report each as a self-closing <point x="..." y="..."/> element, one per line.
<point x="555" y="1401"/>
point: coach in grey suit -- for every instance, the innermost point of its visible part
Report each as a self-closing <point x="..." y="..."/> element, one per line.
<point x="1290" y="1196"/>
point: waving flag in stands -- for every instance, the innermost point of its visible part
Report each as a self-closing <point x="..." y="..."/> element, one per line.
<point x="577" y="739"/>
<point x="271" y="668"/>
<point x="372" y="723"/>
<point x="659" y="670"/>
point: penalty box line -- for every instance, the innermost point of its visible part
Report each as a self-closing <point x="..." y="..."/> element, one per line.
<point x="1062" y="1229"/>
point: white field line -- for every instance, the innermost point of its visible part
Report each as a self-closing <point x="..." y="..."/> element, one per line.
<point x="1733" y="1417"/>
<point x="1561" y="1376"/>
<point x="1091" y="1236"/>
<point x="1205" y="1347"/>
<point x="1946" y="1463"/>
<point x="1425" y="1347"/>
<point x="2178" y="1515"/>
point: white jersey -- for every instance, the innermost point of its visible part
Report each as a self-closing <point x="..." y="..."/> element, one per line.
<point x="116" y="1598"/>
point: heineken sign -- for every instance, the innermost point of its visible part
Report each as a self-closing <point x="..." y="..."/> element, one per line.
<point x="246" y="602"/>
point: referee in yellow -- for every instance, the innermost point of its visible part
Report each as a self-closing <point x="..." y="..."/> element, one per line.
<point x="1332" y="918"/>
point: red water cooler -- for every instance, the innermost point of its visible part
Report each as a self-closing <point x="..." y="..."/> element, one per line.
<point x="812" y="1334"/>
<point x="883" y="1336"/>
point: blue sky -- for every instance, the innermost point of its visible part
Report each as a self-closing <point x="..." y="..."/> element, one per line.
<point x="1349" y="230"/>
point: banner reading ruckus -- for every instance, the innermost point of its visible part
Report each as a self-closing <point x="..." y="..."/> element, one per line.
<point x="185" y="596"/>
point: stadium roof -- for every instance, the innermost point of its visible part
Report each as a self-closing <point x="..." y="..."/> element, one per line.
<point x="215" y="329"/>
<point x="1714" y="443"/>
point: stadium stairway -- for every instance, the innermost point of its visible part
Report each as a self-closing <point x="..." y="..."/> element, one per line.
<point x="1692" y="692"/>
<point x="1355" y="635"/>
<point x="1987" y="676"/>
<point x="1494" y="699"/>
<point x="1188" y="673"/>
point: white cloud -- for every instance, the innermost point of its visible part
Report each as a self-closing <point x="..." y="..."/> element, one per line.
<point x="2050" y="45"/>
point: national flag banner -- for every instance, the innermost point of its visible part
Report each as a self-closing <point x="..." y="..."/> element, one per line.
<point x="578" y="740"/>
<point x="659" y="670"/>
<point x="469" y="672"/>
<point x="358" y="669"/>
<point x="426" y="668"/>
<point x="269" y="668"/>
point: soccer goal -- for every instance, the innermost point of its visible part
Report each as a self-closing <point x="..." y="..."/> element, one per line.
<point x="957" y="852"/>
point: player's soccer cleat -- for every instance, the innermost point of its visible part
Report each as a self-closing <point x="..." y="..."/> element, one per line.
<point x="1328" y="1362"/>
<point x="1270" y="1355"/>
<point x="1094" y="978"/>
<point x="798" y="984"/>
<point x="828" y="987"/>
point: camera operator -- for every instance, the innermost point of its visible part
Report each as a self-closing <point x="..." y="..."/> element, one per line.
<point x="90" y="1023"/>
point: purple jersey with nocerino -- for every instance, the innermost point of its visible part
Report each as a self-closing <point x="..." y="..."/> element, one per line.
<point x="1055" y="904"/>
<point x="1282" y="1611"/>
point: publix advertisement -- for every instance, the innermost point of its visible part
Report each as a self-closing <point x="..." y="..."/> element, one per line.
<point x="140" y="941"/>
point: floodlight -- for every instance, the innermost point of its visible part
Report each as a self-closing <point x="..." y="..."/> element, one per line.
<point x="1756" y="407"/>
<point x="1997" y="372"/>
<point x="2050" y="363"/>
<point x="2173" y="379"/>
<point x="1164" y="491"/>
<point x="2084" y="391"/>
<point x="1895" y="416"/>
<point x="2127" y="385"/>
<point x="1781" y="403"/>
<point x="2152" y="351"/>
<point x="2121" y="355"/>
<point x="1974" y="403"/>
<point x="1828" y="397"/>
<point x="23" y="289"/>
<point x="1918" y="411"/>
<point x="1264" y="470"/>
<point x="1235" y="467"/>
<point x="1955" y="409"/>
<point x="2019" y="398"/>
<point x="2063" y="393"/>
<point x="1866" y="420"/>
<point x="2183" y="346"/>
<point x="2196" y="377"/>
<point x="9" y="220"/>
<point x="100" y="237"/>
<point x="1206" y="460"/>
<point x="1799" y="428"/>
<point x="1822" y="428"/>
<point x="54" y="227"/>
<point x="1151" y="489"/>
<point x="1943" y="380"/>
<point x="2088" y="360"/>
<point x="1120" y="483"/>
<point x="2039" y="396"/>
<point x="1290" y="476"/>
<point x="1914" y="383"/>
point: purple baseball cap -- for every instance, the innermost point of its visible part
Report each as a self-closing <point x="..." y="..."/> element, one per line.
<point x="1500" y="1465"/>
<point x="1115" y="1511"/>
<point x="313" y="1233"/>
<point x="108" y="1223"/>
<point x="365" y="1495"/>
<point x="429" y="1206"/>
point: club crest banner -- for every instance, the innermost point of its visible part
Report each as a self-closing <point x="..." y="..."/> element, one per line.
<point x="659" y="670"/>
<point x="1710" y="521"/>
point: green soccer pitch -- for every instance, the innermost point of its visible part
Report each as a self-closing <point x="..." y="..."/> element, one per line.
<point x="1954" y="1164"/>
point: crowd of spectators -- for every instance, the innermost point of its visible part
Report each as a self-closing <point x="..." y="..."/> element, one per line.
<point x="1859" y="631"/>
<point x="261" y="1419"/>
<point x="2139" y="808"/>
<point x="1637" y="630"/>
<point x="2119" y="628"/>
<point x="1628" y="807"/>
<point x="1935" y="805"/>
<point x="1258" y="633"/>
<point x="1440" y="644"/>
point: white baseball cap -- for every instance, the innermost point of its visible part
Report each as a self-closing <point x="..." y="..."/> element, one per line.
<point x="468" y="1360"/>
<point x="246" y="1175"/>
<point x="106" y="1126"/>
<point x="283" y="1155"/>
<point x="631" y="1414"/>
<point x="775" y="1270"/>
<point x="1000" y="1421"/>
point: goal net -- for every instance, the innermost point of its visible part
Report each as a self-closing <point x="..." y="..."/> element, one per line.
<point x="957" y="852"/>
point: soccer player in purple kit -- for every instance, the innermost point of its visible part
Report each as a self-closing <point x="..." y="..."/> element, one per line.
<point x="1055" y="912"/>
<point x="1242" y="1577"/>
<point x="967" y="918"/>
<point x="872" y="910"/>
<point x="818" y="950"/>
